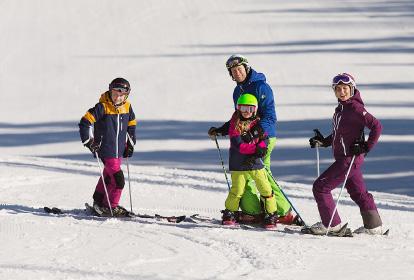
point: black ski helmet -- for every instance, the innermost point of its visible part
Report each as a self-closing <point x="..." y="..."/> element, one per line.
<point x="120" y="83"/>
<point x="236" y="60"/>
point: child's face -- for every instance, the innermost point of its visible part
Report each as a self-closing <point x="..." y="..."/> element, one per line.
<point x="247" y="115"/>
<point x="246" y="111"/>
<point x="343" y="92"/>
<point x="118" y="97"/>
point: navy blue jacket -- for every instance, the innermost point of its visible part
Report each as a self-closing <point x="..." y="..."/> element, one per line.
<point x="111" y="125"/>
<point x="256" y="84"/>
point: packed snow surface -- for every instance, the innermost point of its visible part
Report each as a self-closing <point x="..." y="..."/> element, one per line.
<point x="59" y="56"/>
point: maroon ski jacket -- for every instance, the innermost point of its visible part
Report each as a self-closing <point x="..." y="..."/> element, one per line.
<point x="348" y="124"/>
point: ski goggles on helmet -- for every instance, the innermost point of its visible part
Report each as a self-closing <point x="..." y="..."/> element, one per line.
<point x="344" y="79"/>
<point x="121" y="88"/>
<point x="235" y="61"/>
<point x="246" y="108"/>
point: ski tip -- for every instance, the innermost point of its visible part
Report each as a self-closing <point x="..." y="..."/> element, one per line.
<point x="387" y="232"/>
<point x="344" y="226"/>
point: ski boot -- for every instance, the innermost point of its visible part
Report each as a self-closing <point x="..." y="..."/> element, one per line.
<point x="228" y="218"/>
<point x="320" y="229"/>
<point x="120" y="211"/>
<point x="287" y="219"/>
<point x="371" y="231"/>
<point x="269" y="221"/>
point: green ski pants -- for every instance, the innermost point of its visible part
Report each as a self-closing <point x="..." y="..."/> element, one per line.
<point x="250" y="202"/>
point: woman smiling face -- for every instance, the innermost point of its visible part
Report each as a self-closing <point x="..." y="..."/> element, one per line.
<point x="343" y="92"/>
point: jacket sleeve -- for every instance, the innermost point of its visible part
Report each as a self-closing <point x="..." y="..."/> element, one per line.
<point x="92" y="115"/>
<point x="267" y="109"/>
<point x="132" y="124"/>
<point x="327" y="141"/>
<point x="375" y="128"/>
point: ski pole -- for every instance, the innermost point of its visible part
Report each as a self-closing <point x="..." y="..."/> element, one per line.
<point x="317" y="134"/>
<point x="222" y="162"/>
<point x="281" y="190"/>
<point x="339" y="196"/>
<point x="129" y="185"/>
<point x="103" y="181"/>
<point x="129" y="179"/>
<point x="317" y="159"/>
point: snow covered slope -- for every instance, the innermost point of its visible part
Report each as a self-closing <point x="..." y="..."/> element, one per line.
<point x="58" y="56"/>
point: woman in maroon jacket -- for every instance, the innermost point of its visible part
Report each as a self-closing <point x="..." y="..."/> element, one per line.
<point x="347" y="140"/>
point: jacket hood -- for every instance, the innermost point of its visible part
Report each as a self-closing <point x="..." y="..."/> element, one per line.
<point x="105" y="98"/>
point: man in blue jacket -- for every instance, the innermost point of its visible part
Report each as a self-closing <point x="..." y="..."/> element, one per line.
<point x="249" y="81"/>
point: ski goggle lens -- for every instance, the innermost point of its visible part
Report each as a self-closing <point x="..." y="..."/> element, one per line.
<point x="234" y="62"/>
<point x="246" y="108"/>
<point x="121" y="89"/>
<point x="342" y="79"/>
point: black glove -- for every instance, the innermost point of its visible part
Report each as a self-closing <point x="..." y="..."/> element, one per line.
<point x="93" y="146"/>
<point x="317" y="140"/>
<point x="129" y="150"/>
<point x="247" y="137"/>
<point x="260" y="151"/>
<point x="359" y="148"/>
<point x="258" y="132"/>
<point x="213" y="132"/>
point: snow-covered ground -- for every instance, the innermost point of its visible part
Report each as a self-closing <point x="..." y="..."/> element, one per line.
<point x="58" y="56"/>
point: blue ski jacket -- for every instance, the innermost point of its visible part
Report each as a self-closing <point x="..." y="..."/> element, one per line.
<point x="256" y="85"/>
<point x="111" y="125"/>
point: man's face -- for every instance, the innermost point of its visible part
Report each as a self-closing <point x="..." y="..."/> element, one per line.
<point x="239" y="73"/>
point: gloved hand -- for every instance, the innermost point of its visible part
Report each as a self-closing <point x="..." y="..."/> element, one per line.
<point x="129" y="150"/>
<point x="213" y="132"/>
<point x="359" y="148"/>
<point x="317" y="140"/>
<point x="260" y="151"/>
<point x="247" y="137"/>
<point x="93" y="146"/>
<point x="258" y="132"/>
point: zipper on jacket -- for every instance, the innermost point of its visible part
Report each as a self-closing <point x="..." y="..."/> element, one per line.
<point x="343" y="145"/>
<point x="117" y="135"/>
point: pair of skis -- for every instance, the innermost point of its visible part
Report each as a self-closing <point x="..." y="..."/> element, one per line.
<point x="212" y="222"/>
<point x="345" y="231"/>
<point x="90" y="211"/>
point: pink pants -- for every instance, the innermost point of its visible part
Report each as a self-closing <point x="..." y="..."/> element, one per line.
<point x="114" y="180"/>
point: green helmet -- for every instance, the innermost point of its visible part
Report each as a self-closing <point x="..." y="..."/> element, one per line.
<point x="247" y="99"/>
